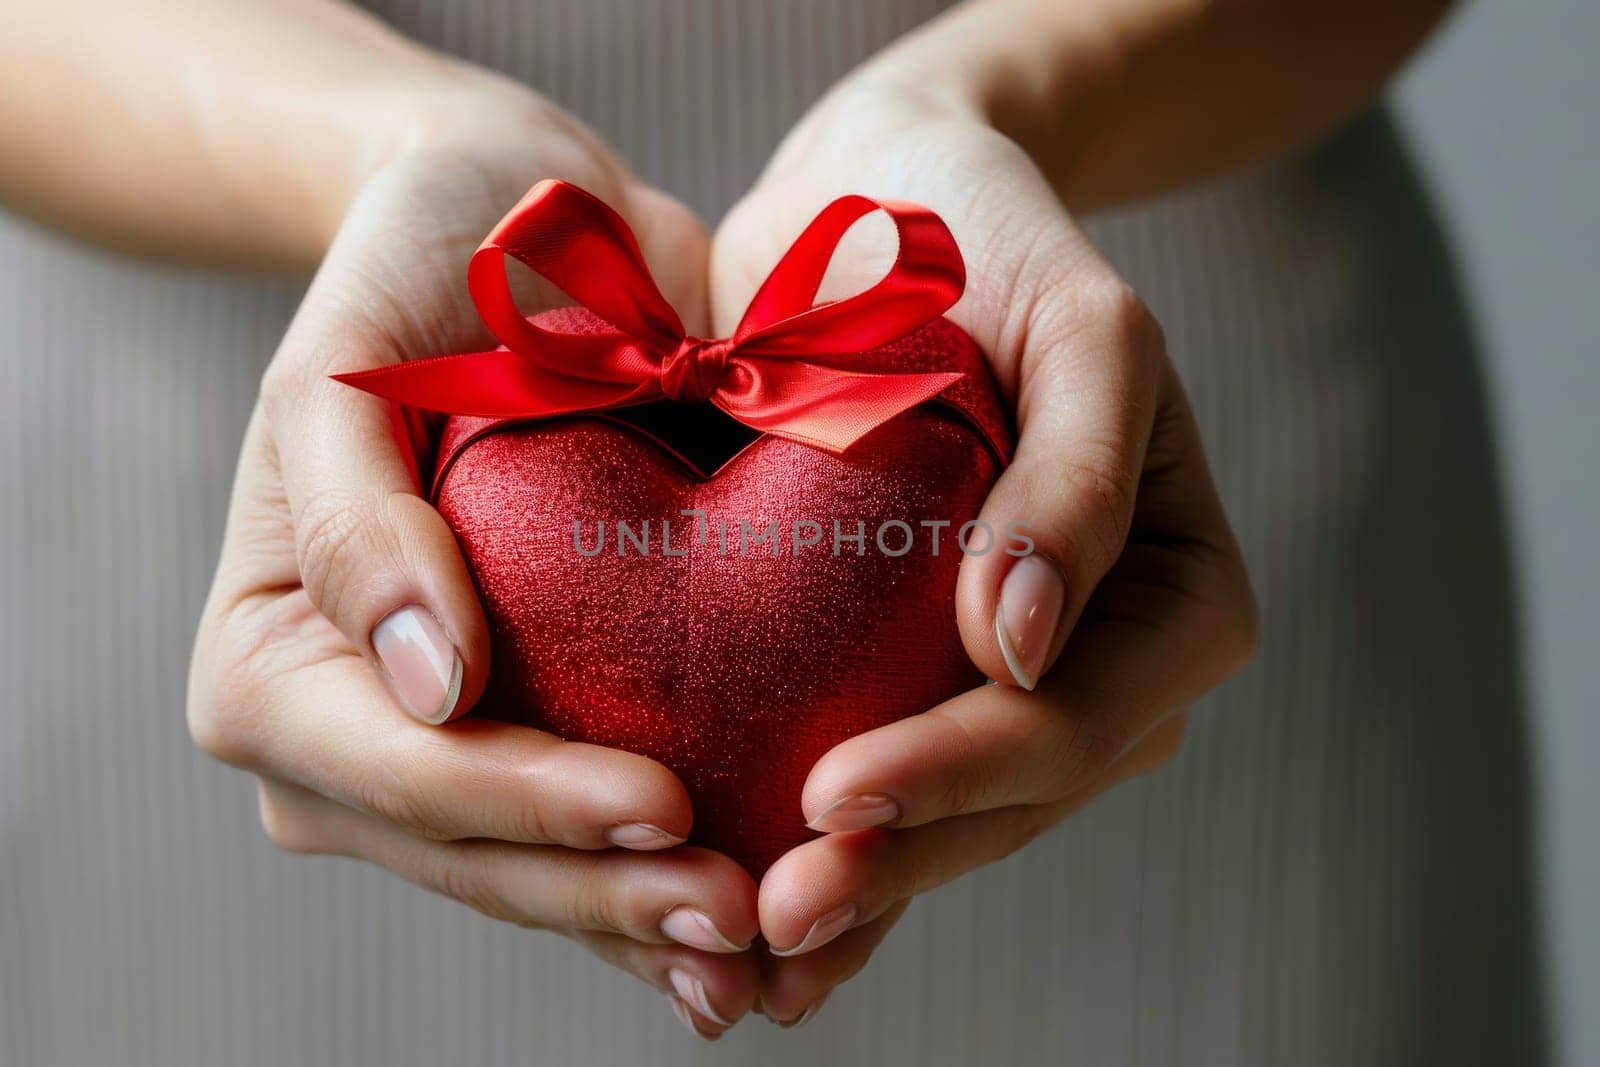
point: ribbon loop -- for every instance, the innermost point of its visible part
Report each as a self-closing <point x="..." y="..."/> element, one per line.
<point x="798" y="362"/>
<point x="925" y="281"/>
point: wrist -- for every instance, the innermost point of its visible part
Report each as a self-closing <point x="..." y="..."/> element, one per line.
<point x="1032" y="72"/>
<point x="453" y="110"/>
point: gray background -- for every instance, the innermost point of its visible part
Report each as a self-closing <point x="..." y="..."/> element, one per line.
<point x="1304" y="888"/>
<point x="1503" y="112"/>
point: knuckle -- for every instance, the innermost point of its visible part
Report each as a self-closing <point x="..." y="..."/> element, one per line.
<point x="964" y="791"/>
<point x="235" y="677"/>
<point x="528" y="823"/>
<point x="1085" y="752"/>
<point x="405" y="807"/>
<point x="1241" y="635"/>
<point x="288" y="826"/>
<point x="537" y="783"/>
<point x="1243" y="632"/>
<point x="1132" y="324"/>
<point x="1103" y="488"/>
<point x="593" y="901"/>
<point x="222" y="721"/>
<point x="231" y="678"/>
<point x="206" y="729"/>
<point x="1095" y="305"/>
<point x="280" y="384"/>
<point x="335" y="535"/>
<point x="468" y="875"/>
<point x="1230" y="616"/>
<point x="973" y="778"/>
<point x="1043" y="313"/>
<point x="914" y="871"/>
<point x="1168" y="740"/>
<point x="1023" y="824"/>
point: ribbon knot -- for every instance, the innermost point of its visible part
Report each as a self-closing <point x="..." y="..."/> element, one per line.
<point x="792" y="367"/>
<point x="694" y="370"/>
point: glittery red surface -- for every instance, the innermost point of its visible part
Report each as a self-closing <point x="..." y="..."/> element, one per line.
<point x="737" y="672"/>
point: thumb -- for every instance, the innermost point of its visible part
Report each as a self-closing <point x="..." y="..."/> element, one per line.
<point x="374" y="557"/>
<point x="1089" y="371"/>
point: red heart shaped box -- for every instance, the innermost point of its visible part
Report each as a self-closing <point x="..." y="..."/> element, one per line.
<point x="737" y="671"/>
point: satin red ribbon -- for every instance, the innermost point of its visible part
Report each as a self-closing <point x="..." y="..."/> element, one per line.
<point x="792" y="367"/>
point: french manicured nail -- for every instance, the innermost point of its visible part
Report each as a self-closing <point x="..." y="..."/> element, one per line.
<point x="641" y="837"/>
<point x="801" y="1019"/>
<point x="693" y="990"/>
<point x="1031" y="599"/>
<point x="692" y="927"/>
<point x="822" y="931"/>
<point x="857" y="813"/>
<point x="421" y="663"/>
<point x="681" y="1010"/>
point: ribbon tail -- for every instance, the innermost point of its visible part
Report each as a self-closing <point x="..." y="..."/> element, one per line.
<point x="498" y="384"/>
<point x="822" y="406"/>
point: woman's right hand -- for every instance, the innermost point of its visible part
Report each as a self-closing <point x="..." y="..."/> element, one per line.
<point x="343" y="627"/>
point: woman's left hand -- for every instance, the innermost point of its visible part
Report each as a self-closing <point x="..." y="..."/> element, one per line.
<point x="1135" y="603"/>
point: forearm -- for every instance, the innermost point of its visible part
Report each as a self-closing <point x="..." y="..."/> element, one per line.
<point x="233" y="130"/>
<point x="1123" y="99"/>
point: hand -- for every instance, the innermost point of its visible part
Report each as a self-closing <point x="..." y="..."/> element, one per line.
<point x="1135" y="603"/>
<point x="343" y="626"/>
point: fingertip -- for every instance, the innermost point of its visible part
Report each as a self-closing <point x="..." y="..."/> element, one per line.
<point x="810" y="895"/>
<point x="977" y="609"/>
<point x="635" y="802"/>
<point x="725" y="897"/>
<point x="794" y="988"/>
<point x="1012" y="604"/>
<point x="852" y="786"/>
<point x="896" y="775"/>
<point x="856" y="811"/>
<point x="1027" y="620"/>
<point x="392" y="579"/>
<point x="691" y="1020"/>
<point x="433" y="557"/>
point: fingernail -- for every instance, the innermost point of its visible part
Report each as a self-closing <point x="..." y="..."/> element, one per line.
<point x="801" y="1019"/>
<point x="422" y="665"/>
<point x="693" y="990"/>
<point x="857" y="813"/>
<point x="694" y="928"/>
<point x="1031" y="598"/>
<point x="681" y="1010"/>
<point x="641" y="837"/>
<point x="822" y="931"/>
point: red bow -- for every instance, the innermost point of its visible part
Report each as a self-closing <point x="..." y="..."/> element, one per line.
<point x="789" y="369"/>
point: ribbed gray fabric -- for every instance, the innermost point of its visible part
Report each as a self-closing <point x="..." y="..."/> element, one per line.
<point x="1333" y="872"/>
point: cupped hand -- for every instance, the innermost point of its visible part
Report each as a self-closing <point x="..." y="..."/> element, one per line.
<point x="343" y="628"/>
<point x="1135" y="601"/>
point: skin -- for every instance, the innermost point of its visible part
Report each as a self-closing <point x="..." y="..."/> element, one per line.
<point x="302" y="132"/>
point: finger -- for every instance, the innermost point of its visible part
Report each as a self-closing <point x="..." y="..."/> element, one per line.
<point x="1172" y="620"/>
<point x="1085" y="358"/>
<point x="868" y="875"/>
<point x="686" y="895"/>
<point x="676" y="248"/>
<point x="710" y="993"/>
<point x="375" y="556"/>
<point x="1071" y="345"/>
<point x="818" y="891"/>
<point x="825" y="890"/>
<point x="376" y="559"/>
<point x="794" y="988"/>
<point x="328" y="726"/>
